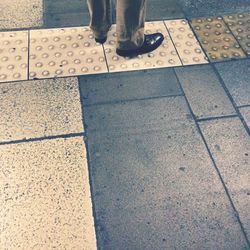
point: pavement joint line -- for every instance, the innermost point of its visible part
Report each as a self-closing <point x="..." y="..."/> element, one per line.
<point x="91" y="180"/>
<point x="244" y="106"/>
<point x="37" y="139"/>
<point x="235" y="212"/>
<point x="215" y="118"/>
<point x="231" y="99"/>
<point x="132" y="100"/>
<point x="173" y="42"/>
<point x="28" y="68"/>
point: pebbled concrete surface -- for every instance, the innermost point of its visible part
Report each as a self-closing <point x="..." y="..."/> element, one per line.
<point x="230" y="146"/>
<point x="199" y="8"/>
<point x="204" y="91"/>
<point x="21" y="14"/>
<point x="236" y="78"/>
<point x="39" y="108"/>
<point x="45" y="196"/>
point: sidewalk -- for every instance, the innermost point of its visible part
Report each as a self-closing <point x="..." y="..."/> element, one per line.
<point x="144" y="154"/>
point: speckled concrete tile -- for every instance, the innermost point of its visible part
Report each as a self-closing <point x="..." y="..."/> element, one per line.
<point x="154" y="185"/>
<point x="39" y="108"/>
<point x="204" y="91"/>
<point x="246" y="115"/>
<point x="239" y="24"/>
<point x="65" y="52"/>
<point x="164" y="56"/>
<point x="187" y="46"/>
<point x="230" y="146"/>
<point x="216" y="39"/>
<point x="13" y="56"/>
<point x="45" y="196"/>
<point x="21" y="13"/>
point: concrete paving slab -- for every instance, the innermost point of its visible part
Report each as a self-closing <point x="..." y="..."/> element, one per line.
<point x="187" y="46"/>
<point x="216" y="39"/>
<point x="204" y="91"/>
<point x="14" y="56"/>
<point x="194" y="8"/>
<point x="39" y="108"/>
<point x="236" y="77"/>
<point x="65" y="52"/>
<point x="128" y="86"/>
<point x="45" y="196"/>
<point x="136" y="116"/>
<point x="154" y="185"/>
<point x="239" y="24"/>
<point x="162" y="57"/>
<point x="159" y="10"/>
<point x="230" y="147"/>
<point x="63" y="6"/>
<point x="60" y="20"/>
<point x="245" y="111"/>
<point x="21" y="14"/>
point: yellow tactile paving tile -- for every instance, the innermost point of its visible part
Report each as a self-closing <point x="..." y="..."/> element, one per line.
<point x="164" y="56"/>
<point x="13" y="56"/>
<point x="39" y="108"/>
<point x="45" y="196"/>
<point x="239" y="24"/>
<point x="217" y="39"/>
<point x="65" y="52"/>
<point x="185" y="42"/>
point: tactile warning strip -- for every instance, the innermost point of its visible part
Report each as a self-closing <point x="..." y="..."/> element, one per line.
<point x="217" y="39"/>
<point x="164" y="56"/>
<point x="65" y="52"/>
<point x="185" y="42"/>
<point x="239" y="24"/>
<point x="13" y="56"/>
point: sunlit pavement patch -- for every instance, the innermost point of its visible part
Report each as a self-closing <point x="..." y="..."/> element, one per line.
<point x="239" y="24"/>
<point x="217" y="39"/>
<point x="185" y="42"/>
<point x="13" y="56"/>
<point x="41" y="108"/>
<point x="65" y="52"/>
<point x="164" y="56"/>
<point x="45" y="196"/>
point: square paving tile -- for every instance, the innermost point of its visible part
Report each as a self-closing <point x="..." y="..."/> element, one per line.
<point x="230" y="147"/>
<point x="246" y="115"/>
<point x="164" y="56"/>
<point x="185" y="42"/>
<point x="39" y="108"/>
<point x="65" y="52"/>
<point x="204" y="91"/>
<point x="13" y="56"/>
<point x="154" y="185"/>
<point x="45" y="196"/>
<point x="239" y="24"/>
<point x="217" y="39"/>
<point x="128" y="86"/>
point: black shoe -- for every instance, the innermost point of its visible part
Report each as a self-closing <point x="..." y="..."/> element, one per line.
<point x="101" y="40"/>
<point x="151" y="42"/>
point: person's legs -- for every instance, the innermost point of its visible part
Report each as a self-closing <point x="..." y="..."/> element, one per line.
<point x="100" y="17"/>
<point x="130" y="23"/>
